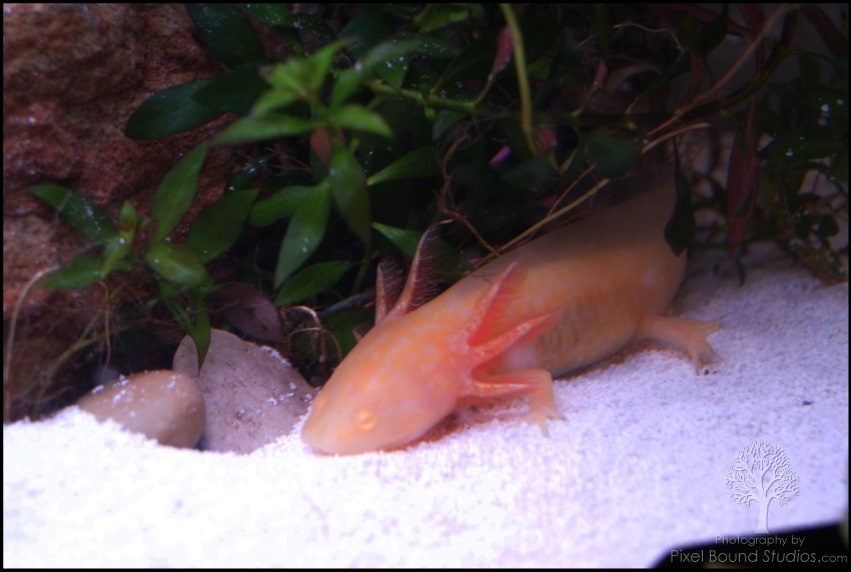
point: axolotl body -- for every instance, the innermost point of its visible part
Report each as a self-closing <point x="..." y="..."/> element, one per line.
<point x="556" y="304"/>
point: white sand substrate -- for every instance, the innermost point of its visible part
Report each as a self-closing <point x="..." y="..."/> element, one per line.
<point x="637" y="467"/>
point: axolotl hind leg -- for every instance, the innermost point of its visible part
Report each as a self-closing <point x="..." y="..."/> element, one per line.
<point x="689" y="335"/>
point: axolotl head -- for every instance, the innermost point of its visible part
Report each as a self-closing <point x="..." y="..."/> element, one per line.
<point x="382" y="396"/>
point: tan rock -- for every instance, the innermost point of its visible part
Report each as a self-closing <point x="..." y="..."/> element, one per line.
<point x="164" y="405"/>
<point x="72" y="76"/>
<point x="253" y="396"/>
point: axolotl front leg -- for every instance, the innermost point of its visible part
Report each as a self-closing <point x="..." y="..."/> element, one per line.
<point x="482" y="346"/>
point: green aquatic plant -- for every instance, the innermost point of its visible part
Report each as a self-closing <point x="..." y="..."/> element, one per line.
<point x="177" y="268"/>
<point x="385" y="119"/>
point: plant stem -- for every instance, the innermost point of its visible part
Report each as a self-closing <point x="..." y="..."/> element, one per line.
<point x="599" y="185"/>
<point x="782" y="50"/>
<point x="628" y="121"/>
<point x="522" y="76"/>
<point x="7" y="348"/>
<point x="468" y="107"/>
<point x="689" y="108"/>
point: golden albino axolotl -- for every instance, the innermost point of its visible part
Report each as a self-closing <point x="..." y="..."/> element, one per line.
<point x="556" y="304"/>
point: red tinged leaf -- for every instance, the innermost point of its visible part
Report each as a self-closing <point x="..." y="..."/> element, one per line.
<point x="500" y="156"/>
<point x="545" y="138"/>
<point x="754" y="17"/>
<point x="503" y="52"/>
<point x="742" y="181"/>
<point x="600" y="75"/>
<point x="754" y="21"/>
<point x="698" y="67"/>
<point x="321" y="145"/>
<point x="832" y="36"/>
<point x="673" y="13"/>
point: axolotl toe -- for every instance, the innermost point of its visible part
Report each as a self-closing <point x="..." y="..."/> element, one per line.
<point x="556" y="304"/>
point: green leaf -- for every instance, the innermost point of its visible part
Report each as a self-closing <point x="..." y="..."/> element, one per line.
<point x="345" y="86"/>
<point x="280" y="205"/>
<point x="129" y="219"/>
<point x="227" y="32"/>
<point x="445" y="119"/>
<point x="359" y="118"/>
<point x="311" y="281"/>
<point x="827" y="226"/>
<point x="712" y="33"/>
<point x="292" y="76"/>
<point x="474" y="62"/>
<point x="313" y="24"/>
<point x="270" y="126"/>
<point x="679" y="231"/>
<point x="366" y="30"/>
<point x="394" y="72"/>
<point x="84" y="215"/>
<point x="682" y="65"/>
<point x="391" y="50"/>
<point x="603" y="27"/>
<point x="405" y="240"/>
<point x="199" y="329"/>
<point x="320" y="63"/>
<point x="430" y="46"/>
<point x="342" y="325"/>
<point x="477" y="60"/>
<point x="218" y="226"/>
<point x="304" y="233"/>
<point x="234" y="91"/>
<point x="299" y="78"/>
<point x="391" y="59"/>
<point x="82" y="271"/>
<point x="436" y="16"/>
<point x="531" y="174"/>
<point x="176" y="263"/>
<point x="114" y="252"/>
<point x="176" y="191"/>
<point x="613" y="156"/>
<point x="275" y="99"/>
<point x="418" y="163"/>
<point x="838" y="170"/>
<point x="191" y="314"/>
<point x="120" y="245"/>
<point x="270" y="14"/>
<point x="172" y="110"/>
<point x="348" y="186"/>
